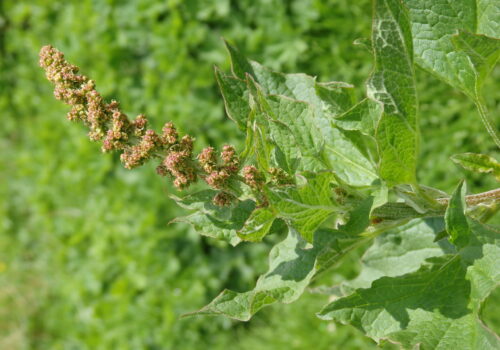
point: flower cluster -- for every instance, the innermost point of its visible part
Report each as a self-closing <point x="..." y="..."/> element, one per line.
<point x="253" y="177"/>
<point x="219" y="174"/>
<point x="280" y="178"/>
<point x="107" y="123"/>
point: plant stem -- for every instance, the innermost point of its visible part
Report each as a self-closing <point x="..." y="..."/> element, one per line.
<point x="400" y="210"/>
<point x="475" y="199"/>
<point x="395" y="214"/>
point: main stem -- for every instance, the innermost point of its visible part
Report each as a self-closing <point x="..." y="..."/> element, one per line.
<point x="399" y="210"/>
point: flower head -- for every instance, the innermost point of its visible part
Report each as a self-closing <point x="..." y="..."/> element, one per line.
<point x="253" y="177"/>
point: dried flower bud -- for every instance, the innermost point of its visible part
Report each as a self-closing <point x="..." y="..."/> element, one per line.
<point x="77" y="112"/>
<point x="280" y="178"/>
<point x="139" y="125"/>
<point x="230" y="159"/>
<point x="108" y="123"/>
<point x="253" y="177"/>
<point x="178" y="163"/>
<point x="218" y="179"/>
<point x="208" y="159"/>
<point x="169" y="134"/>
<point x="187" y="143"/>
<point x="223" y="199"/>
<point x="138" y="154"/>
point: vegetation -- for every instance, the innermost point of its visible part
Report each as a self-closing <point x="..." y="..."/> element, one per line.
<point x="90" y="262"/>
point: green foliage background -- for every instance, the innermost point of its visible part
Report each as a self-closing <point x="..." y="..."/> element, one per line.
<point x="87" y="260"/>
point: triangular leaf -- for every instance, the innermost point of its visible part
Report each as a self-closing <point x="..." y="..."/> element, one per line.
<point x="240" y="66"/>
<point x="235" y="95"/>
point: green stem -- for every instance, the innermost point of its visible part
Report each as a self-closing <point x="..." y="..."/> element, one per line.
<point x="397" y="214"/>
<point x="400" y="210"/>
<point x="474" y="199"/>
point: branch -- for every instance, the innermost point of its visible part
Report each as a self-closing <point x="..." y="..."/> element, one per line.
<point x="400" y="210"/>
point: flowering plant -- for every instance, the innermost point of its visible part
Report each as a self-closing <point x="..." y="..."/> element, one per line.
<point x="332" y="174"/>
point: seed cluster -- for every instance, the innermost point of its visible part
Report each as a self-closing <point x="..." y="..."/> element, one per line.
<point x="279" y="177"/>
<point x="138" y="144"/>
<point x="253" y="177"/>
<point x="110" y="125"/>
<point x="219" y="172"/>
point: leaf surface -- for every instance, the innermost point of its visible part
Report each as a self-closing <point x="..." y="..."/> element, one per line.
<point x="392" y="84"/>
<point x="212" y="221"/>
<point x="292" y="264"/>
<point x="296" y="114"/>
<point x="257" y="225"/>
<point x="456" y="221"/>
<point x="480" y="163"/>
<point x="235" y="94"/>
<point x="433" y="305"/>
<point x="449" y="42"/>
<point x="307" y="206"/>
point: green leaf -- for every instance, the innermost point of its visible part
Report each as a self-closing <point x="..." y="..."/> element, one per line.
<point x="240" y="66"/>
<point x="337" y="97"/>
<point x="446" y="44"/>
<point x="459" y="59"/>
<point x="348" y="156"/>
<point x="287" y="154"/>
<point x="483" y="53"/>
<point x="295" y="113"/>
<point x="235" y="94"/>
<point x="481" y="163"/>
<point x="207" y="225"/>
<point x="433" y="305"/>
<point x="307" y="206"/>
<point x="291" y="267"/>
<point x="332" y="98"/>
<point x="257" y="143"/>
<point x="401" y="250"/>
<point x="309" y="141"/>
<point x="392" y="84"/>
<point x="456" y="222"/>
<point x="426" y="307"/>
<point x="359" y="218"/>
<point x="257" y="225"/>
<point x="202" y="201"/>
<point x="341" y="244"/>
<point x="298" y="117"/>
<point x="364" y="117"/>
<point x="465" y="332"/>
<point x="212" y="221"/>
<point x="483" y="255"/>
<point x="487" y="18"/>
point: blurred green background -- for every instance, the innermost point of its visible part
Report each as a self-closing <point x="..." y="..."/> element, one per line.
<point x="87" y="260"/>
